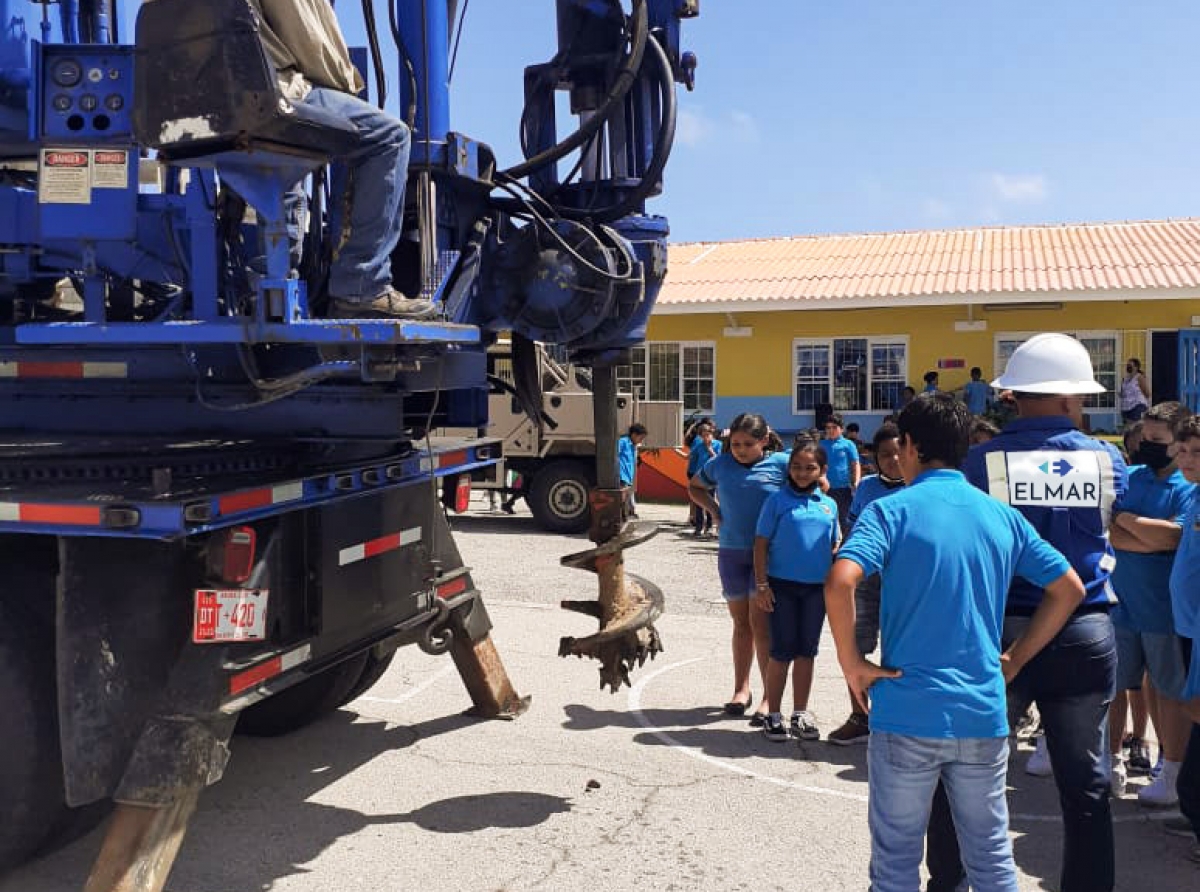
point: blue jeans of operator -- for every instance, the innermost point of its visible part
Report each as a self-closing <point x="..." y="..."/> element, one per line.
<point x="1072" y="681"/>
<point x="368" y="196"/>
<point x="903" y="773"/>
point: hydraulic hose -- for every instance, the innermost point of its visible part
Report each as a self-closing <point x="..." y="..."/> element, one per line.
<point x="368" y="11"/>
<point x="625" y="79"/>
<point x="658" y="161"/>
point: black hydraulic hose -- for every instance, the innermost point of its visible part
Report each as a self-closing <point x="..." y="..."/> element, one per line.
<point x="658" y="161"/>
<point x="368" y="11"/>
<point x="410" y="113"/>
<point x="625" y="79"/>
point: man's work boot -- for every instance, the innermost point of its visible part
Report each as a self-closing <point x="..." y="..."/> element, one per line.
<point x="389" y="305"/>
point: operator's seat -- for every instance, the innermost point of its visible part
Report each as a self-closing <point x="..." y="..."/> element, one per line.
<point x="205" y="86"/>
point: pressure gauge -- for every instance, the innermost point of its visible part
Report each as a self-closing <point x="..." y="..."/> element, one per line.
<point x="88" y="102"/>
<point x="66" y="73"/>
<point x="114" y="102"/>
<point x="61" y="102"/>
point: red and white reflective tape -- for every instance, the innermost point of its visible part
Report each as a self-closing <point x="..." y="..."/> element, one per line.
<point x="64" y="370"/>
<point x="261" y="498"/>
<point x="451" y="459"/>
<point x="379" y="546"/>
<point x="268" y="669"/>
<point x="65" y="515"/>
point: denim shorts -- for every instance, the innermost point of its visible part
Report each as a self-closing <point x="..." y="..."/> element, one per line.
<point x="797" y="618"/>
<point x="736" y="569"/>
<point x="1159" y="654"/>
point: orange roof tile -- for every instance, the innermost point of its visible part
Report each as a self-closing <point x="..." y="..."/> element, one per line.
<point x="1156" y="258"/>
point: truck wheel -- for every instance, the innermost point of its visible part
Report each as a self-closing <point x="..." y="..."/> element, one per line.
<point x="373" y="671"/>
<point x="30" y="772"/>
<point x="558" y="497"/>
<point x="303" y="703"/>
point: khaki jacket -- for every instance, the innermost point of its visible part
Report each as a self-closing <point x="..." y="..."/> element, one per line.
<point x="304" y="42"/>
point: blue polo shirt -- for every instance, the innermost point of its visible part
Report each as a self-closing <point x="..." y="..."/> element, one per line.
<point x="698" y="456"/>
<point x="947" y="554"/>
<point x="741" y="491"/>
<point x="803" y="531"/>
<point x="977" y="394"/>
<point x="1065" y="484"/>
<point x="869" y="489"/>
<point x="1143" y="581"/>
<point x="626" y="459"/>
<point x="842" y="453"/>
<point x="1185" y="580"/>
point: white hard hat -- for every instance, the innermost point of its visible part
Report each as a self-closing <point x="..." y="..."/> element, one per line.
<point x="1049" y="363"/>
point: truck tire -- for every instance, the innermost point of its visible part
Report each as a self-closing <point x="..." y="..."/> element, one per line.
<point x="30" y="772"/>
<point x="558" y="497"/>
<point x="303" y="703"/>
<point x="371" y="673"/>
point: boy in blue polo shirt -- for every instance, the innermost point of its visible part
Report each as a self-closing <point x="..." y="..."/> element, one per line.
<point x="1145" y="532"/>
<point x="1185" y="607"/>
<point x="844" y="469"/>
<point x="947" y="554"/>
<point x="627" y="448"/>
<point x="794" y="541"/>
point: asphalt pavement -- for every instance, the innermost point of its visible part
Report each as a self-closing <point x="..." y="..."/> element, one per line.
<point x="653" y="788"/>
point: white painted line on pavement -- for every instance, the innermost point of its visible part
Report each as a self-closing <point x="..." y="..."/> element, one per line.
<point x="635" y="707"/>
<point x="419" y="689"/>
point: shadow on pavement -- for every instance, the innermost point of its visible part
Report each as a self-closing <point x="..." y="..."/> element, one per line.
<point x="260" y="824"/>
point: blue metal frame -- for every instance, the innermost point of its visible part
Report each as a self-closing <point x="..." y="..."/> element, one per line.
<point x="187" y="367"/>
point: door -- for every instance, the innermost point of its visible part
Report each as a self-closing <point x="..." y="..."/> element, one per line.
<point x="1164" y="371"/>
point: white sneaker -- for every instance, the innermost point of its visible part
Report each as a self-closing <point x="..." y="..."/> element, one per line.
<point x="1039" y="763"/>
<point x="1119" y="776"/>
<point x="1160" y="792"/>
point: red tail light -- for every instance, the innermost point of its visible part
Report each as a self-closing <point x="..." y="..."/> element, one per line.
<point x="231" y="554"/>
<point x="462" y="494"/>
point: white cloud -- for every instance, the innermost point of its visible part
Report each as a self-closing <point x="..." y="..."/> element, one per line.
<point x="743" y="127"/>
<point x="693" y="127"/>
<point x="1018" y="188"/>
<point x="936" y="210"/>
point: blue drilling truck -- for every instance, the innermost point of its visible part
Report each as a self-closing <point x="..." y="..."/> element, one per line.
<point x="220" y="501"/>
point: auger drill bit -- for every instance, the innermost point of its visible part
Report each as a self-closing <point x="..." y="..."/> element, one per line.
<point x="627" y="605"/>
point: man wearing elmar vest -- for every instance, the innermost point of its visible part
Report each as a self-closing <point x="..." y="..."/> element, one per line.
<point x="1065" y="483"/>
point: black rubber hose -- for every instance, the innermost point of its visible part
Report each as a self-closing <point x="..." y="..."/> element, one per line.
<point x="410" y="113"/>
<point x="368" y="11"/>
<point x="625" y="79"/>
<point x="658" y="161"/>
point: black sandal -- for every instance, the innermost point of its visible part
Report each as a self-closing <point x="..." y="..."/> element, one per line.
<point x="737" y="708"/>
<point x="758" y="720"/>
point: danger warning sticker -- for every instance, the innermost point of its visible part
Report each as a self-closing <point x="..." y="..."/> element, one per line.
<point x="65" y="177"/>
<point x="110" y="169"/>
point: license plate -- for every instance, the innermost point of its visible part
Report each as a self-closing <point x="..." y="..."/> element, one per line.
<point x="238" y="614"/>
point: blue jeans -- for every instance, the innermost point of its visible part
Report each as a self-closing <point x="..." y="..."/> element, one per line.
<point x="368" y="197"/>
<point x="903" y="773"/>
<point x="1072" y="681"/>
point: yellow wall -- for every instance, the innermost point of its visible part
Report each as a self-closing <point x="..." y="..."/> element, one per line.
<point x="762" y="364"/>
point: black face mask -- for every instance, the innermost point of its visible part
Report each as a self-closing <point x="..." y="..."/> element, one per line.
<point x="1152" y="455"/>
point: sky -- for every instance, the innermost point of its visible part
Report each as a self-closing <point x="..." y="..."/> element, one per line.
<point x="879" y="115"/>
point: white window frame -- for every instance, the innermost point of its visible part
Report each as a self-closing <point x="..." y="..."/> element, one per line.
<point x="1107" y="401"/>
<point x="642" y="388"/>
<point x="827" y="343"/>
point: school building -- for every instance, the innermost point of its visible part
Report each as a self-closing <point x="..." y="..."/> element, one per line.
<point x="781" y="326"/>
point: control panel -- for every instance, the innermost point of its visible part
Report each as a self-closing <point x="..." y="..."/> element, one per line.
<point x="87" y="93"/>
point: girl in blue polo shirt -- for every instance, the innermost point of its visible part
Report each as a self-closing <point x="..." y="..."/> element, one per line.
<point x="795" y="539"/>
<point x="751" y="468"/>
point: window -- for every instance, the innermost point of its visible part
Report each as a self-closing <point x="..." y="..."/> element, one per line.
<point x="853" y="374"/>
<point x="1101" y="347"/>
<point x="667" y="370"/>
